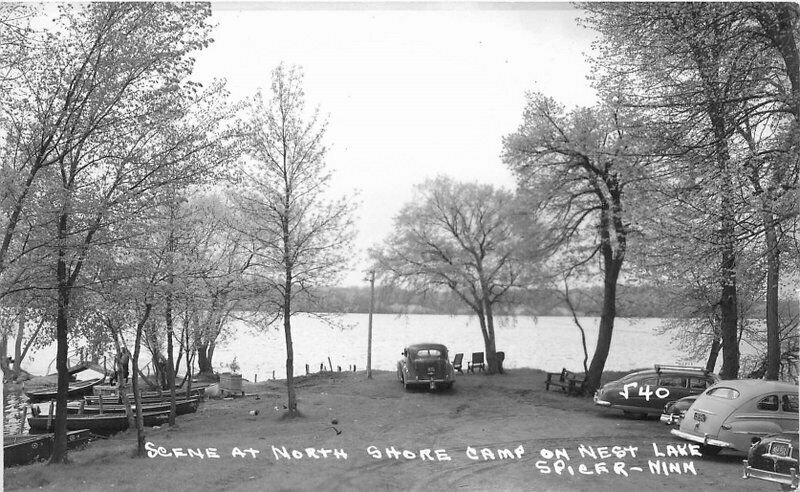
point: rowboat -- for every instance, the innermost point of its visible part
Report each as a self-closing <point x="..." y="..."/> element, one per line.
<point x="181" y="407"/>
<point x="98" y="424"/>
<point x="75" y="390"/>
<point x="24" y="449"/>
<point x="146" y="397"/>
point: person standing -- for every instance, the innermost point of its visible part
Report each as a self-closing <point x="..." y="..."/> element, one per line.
<point x="124" y="360"/>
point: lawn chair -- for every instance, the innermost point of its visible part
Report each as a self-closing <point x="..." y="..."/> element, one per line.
<point x="477" y="362"/>
<point x="457" y="363"/>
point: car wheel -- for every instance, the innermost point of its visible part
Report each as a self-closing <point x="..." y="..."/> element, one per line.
<point x="710" y="450"/>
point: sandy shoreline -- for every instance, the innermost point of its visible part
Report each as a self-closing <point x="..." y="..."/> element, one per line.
<point x="502" y="432"/>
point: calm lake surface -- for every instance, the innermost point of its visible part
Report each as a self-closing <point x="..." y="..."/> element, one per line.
<point x="547" y="343"/>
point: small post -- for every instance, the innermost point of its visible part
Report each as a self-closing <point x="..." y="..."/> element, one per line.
<point x="306" y="369"/>
<point x="255" y="378"/>
<point x="321" y="367"/>
<point x="24" y="416"/>
<point x="273" y="374"/>
<point x="330" y="364"/>
<point x="369" y="323"/>
<point x="50" y="417"/>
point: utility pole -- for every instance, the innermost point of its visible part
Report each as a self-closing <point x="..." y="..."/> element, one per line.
<point x="369" y="325"/>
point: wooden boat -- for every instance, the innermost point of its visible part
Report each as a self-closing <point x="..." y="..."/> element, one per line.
<point x="147" y="397"/>
<point x="181" y="407"/>
<point x="24" y="449"/>
<point x="76" y="390"/>
<point x="104" y="424"/>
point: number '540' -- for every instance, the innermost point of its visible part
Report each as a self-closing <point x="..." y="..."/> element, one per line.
<point x="644" y="391"/>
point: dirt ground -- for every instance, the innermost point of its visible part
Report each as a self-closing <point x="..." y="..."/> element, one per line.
<point x="502" y="432"/>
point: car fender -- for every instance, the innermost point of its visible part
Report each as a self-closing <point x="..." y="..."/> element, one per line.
<point x="740" y="432"/>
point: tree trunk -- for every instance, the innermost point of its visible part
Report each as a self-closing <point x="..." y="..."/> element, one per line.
<point x="492" y="365"/>
<point x="59" y="454"/>
<point x="186" y="323"/>
<point x="170" y="360"/>
<point x="613" y="257"/>
<point x="203" y="360"/>
<point x="137" y="396"/>
<point x="607" y="317"/>
<point x="4" y="355"/>
<point x="62" y="327"/>
<point x="708" y="64"/>
<point x="711" y="362"/>
<point x="287" y="329"/>
<point x="18" y="354"/>
<point x="773" y="276"/>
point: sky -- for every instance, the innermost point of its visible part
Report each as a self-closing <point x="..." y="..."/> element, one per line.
<point x="411" y="90"/>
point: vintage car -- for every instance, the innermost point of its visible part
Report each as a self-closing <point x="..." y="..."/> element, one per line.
<point x="426" y="364"/>
<point x="675" y="410"/>
<point x="774" y="458"/>
<point x="730" y="414"/>
<point x="646" y="392"/>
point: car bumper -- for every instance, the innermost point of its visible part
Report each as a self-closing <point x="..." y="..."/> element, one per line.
<point x="670" y="418"/>
<point x="704" y="440"/>
<point x="792" y="480"/>
<point x="602" y="403"/>
<point x="430" y="382"/>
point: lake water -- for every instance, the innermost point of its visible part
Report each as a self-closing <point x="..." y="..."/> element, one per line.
<point x="547" y="343"/>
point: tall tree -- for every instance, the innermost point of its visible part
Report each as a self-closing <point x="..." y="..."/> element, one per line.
<point x="299" y="238"/>
<point x="710" y="79"/>
<point x="114" y="80"/>
<point x="578" y="168"/>
<point x="461" y="237"/>
<point x="219" y="256"/>
<point x="770" y="129"/>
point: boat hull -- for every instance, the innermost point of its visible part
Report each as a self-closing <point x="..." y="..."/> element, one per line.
<point x="182" y="407"/>
<point x="104" y="424"/>
<point x="25" y="449"/>
<point x="147" y="397"/>
<point x="76" y="390"/>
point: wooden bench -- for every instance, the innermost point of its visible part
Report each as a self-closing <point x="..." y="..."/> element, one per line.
<point x="568" y="381"/>
<point x="477" y="362"/>
<point x="457" y="363"/>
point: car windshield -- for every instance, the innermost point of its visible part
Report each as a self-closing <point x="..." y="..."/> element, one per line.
<point x="700" y="384"/>
<point x="726" y="393"/>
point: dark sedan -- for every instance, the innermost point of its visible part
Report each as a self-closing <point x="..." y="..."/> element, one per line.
<point x="426" y="364"/>
<point x="646" y="392"/>
<point x="774" y="458"/>
<point x="675" y="410"/>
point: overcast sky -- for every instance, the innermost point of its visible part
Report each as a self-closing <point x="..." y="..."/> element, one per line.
<point x="412" y="91"/>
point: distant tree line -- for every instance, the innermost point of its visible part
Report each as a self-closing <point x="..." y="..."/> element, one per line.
<point x="635" y="301"/>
